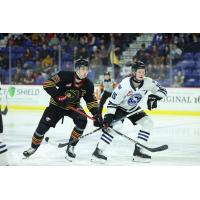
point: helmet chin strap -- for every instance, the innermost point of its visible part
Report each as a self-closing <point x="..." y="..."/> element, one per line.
<point x="135" y="80"/>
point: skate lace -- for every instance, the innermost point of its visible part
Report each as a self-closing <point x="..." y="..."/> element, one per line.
<point x="30" y="150"/>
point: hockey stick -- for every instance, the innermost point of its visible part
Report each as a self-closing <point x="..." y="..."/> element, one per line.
<point x="82" y="113"/>
<point x="156" y="149"/>
<point x="60" y="145"/>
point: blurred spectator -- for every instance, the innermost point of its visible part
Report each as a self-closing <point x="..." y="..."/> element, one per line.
<point x="142" y="54"/>
<point x="83" y="53"/>
<point x="19" y="63"/>
<point x="44" y="51"/>
<point x="3" y="63"/>
<point x="91" y="39"/>
<point x="36" y="39"/>
<point x="43" y="40"/>
<point x="54" y="41"/>
<point x="114" y="60"/>
<point x="11" y="40"/>
<point x="28" y="79"/>
<point x="63" y="42"/>
<point x="95" y="63"/>
<point x="153" y="55"/>
<point x="50" y="36"/>
<point x="47" y="62"/>
<point x="104" y="55"/>
<point x="153" y="70"/>
<point x="55" y="53"/>
<point x="39" y="79"/>
<point x="37" y="56"/>
<point x="165" y="55"/>
<point x="82" y="42"/>
<point x="19" y="40"/>
<point x="75" y="53"/>
<point x="163" y="71"/>
<point x="118" y="40"/>
<point x="18" y="76"/>
<point x="178" y="79"/>
<point x="166" y="38"/>
<point x="175" y="54"/>
<point x="27" y="55"/>
<point x="195" y="46"/>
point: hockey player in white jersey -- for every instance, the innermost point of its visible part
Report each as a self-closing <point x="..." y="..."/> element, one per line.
<point x="124" y="100"/>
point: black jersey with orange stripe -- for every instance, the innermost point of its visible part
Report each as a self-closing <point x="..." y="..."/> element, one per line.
<point x="65" y="83"/>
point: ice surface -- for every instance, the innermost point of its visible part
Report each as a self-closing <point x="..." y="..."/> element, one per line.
<point x="181" y="133"/>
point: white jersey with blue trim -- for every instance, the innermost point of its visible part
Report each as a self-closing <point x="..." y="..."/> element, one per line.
<point x="127" y="97"/>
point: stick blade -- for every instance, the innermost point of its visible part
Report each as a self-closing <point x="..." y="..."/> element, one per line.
<point x="161" y="148"/>
<point x="61" y="145"/>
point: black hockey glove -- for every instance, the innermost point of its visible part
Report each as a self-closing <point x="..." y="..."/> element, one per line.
<point x="65" y="100"/>
<point x="108" y="118"/>
<point x="152" y="101"/>
<point x="99" y="120"/>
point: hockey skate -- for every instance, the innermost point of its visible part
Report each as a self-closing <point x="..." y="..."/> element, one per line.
<point x="139" y="156"/>
<point x="70" y="153"/>
<point x="98" y="156"/>
<point x="29" y="152"/>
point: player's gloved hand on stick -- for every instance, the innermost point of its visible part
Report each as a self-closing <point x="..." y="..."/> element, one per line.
<point x="152" y="101"/>
<point x="66" y="99"/>
<point x="99" y="120"/>
<point x="62" y="100"/>
<point x="108" y="118"/>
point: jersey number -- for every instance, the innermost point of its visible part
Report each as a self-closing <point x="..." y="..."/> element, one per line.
<point x="114" y="95"/>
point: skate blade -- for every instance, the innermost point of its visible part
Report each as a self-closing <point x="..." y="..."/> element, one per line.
<point x="69" y="158"/>
<point x="141" y="160"/>
<point x="25" y="158"/>
<point x="97" y="160"/>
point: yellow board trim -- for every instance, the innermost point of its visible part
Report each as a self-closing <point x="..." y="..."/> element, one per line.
<point x="28" y="108"/>
<point x="153" y="112"/>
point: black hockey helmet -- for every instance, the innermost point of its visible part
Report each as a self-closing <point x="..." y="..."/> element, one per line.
<point x="138" y="65"/>
<point x="81" y="62"/>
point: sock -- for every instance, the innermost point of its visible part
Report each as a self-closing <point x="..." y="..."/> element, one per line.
<point x="105" y="140"/>
<point x="76" y="133"/>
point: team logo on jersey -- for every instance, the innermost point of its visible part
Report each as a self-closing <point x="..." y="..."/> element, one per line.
<point x="134" y="100"/>
<point x="130" y="93"/>
<point x="119" y="87"/>
<point x="71" y="93"/>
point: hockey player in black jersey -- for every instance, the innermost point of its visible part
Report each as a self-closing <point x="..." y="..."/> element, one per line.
<point x="106" y="86"/>
<point x="66" y="89"/>
<point x="124" y="100"/>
